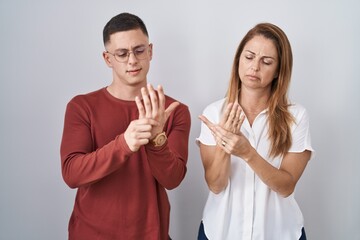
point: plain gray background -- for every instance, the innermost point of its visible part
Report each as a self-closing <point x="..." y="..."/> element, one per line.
<point x="51" y="51"/>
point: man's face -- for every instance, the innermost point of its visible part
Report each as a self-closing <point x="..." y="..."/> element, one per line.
<point x="129" y="54"/>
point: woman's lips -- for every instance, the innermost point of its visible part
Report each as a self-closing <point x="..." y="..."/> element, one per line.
<point x="253" y="77"/>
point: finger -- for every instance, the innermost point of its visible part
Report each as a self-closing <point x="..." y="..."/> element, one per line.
<point x="236" y="120"/>
<point x="240" y="123"/>
<point x="209" y="124"/>
<point x="238" y="112"/>
<point x="217" y="131"/>
<point x="143" y="141"/>
<point x="161" y="95"/>
<point x="206" y="121"/>
<point x="154" y="100"/>
<point x="147" y="102"/>
<point x="219" y="138"/>
<point x="226" y="114"/>
<point x="142" y="135"/>
<point x="140" y="107"/>
<point x="220" y="142"/>
<point x="170" y="109"/>
<point x="142" y="127"/>
<point x="138" y="133"/>
<point x="231" y="116"/>
<point x="242" y="118"/>
<point x="223" y="144"/>
<point x="220" y="132"/>
<point x="147" y="121"/>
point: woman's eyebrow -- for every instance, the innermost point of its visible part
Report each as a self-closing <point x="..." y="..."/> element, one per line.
<point x="261" y="56"/>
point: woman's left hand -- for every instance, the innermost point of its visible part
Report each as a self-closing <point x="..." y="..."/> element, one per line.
<point x="227" y="133"/>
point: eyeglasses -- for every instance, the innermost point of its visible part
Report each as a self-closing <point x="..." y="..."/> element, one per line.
<point x="122" y="56"/>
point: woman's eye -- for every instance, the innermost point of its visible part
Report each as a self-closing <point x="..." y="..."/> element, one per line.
<point x="267" y="62"/>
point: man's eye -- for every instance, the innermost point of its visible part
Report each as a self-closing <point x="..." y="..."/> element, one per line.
<point x="122" y="54"/>
<point x="139" y="51"/>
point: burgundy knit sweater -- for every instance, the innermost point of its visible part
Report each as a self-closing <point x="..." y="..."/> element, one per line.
<point x="120" y="194"/>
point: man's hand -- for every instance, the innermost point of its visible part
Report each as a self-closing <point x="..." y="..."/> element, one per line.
<point x="153" y="107"/>
<point x="138" y="133"/>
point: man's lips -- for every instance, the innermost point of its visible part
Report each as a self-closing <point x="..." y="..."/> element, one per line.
<point x="133" y="71"/>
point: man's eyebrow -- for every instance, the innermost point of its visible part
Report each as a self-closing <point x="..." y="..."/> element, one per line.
<point x="126" y="49"/>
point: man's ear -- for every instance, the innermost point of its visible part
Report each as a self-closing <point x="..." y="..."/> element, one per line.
<point x="107" y="59"/>
<point x="150" y="50"/>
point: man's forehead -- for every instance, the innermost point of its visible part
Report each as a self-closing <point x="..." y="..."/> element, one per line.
<point x="128" y="39"/>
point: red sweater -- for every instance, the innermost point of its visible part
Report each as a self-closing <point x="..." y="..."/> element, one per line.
<point x="121" y="194"/>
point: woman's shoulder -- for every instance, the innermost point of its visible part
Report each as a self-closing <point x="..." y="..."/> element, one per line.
<point x="296" y="107"/>
<point x="297" y="110"/>
<point x="217" y="105"/>
<point x="213" y="110"/>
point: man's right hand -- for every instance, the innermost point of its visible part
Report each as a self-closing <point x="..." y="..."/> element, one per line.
<point x="138" y="133"/>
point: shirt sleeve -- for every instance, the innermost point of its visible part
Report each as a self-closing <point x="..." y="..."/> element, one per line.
<point x="301" y="139"/>
<point x="168" y="163"/>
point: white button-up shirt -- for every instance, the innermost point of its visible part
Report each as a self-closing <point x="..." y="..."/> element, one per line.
<point x="248" y="209"/>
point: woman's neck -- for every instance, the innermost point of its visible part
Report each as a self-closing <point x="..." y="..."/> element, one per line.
<point x="253" y="103"/>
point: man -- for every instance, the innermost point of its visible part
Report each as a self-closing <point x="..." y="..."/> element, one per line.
<point x="124" y="144"/>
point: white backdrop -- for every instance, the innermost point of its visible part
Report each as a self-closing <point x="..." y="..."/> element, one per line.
<point x="51" y="51"/>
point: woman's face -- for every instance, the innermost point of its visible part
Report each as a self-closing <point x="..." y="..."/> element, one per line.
<point x="258" y="63"/>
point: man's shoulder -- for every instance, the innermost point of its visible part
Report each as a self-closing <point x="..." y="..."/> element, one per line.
<point x="170" y="100"/>
<point x="88" y="96"/>
<point x="182" y="111"/>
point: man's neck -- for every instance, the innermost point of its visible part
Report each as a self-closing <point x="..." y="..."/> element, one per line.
<point x="125" y="92"/>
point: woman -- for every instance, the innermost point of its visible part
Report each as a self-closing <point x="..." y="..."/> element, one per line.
<point x="255" y="145"/>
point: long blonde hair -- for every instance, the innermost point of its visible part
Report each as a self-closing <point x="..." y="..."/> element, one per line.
<point x="279" y="117"/>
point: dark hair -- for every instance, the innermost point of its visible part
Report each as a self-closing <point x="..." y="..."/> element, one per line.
<point x="123" y="22"/>
<point x="280" y="118"/>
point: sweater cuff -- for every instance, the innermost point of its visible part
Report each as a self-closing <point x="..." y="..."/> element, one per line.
<point x="123" y="144"/>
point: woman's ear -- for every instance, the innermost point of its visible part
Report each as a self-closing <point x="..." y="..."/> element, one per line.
<point x="276" y="75"/>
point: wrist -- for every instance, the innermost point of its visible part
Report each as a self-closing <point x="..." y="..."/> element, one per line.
<point x="249" y="156"/>
<point x="159" y="139"/>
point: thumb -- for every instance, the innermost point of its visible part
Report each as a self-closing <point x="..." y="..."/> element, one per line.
<point x="170" y="109"/>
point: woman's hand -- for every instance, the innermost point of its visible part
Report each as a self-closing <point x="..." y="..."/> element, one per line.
<point x="216" y="159"/>
<point x="227" y="133"/>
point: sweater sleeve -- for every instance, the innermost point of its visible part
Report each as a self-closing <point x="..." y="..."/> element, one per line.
<point x="81" y="163"/>
<point x="168" y="163"/>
